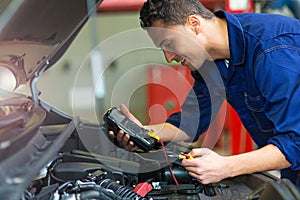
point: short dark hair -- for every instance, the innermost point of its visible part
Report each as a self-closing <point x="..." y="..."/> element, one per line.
<point x="171" y="12"/>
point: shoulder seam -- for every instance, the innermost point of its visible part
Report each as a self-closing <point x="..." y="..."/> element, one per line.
<point x="275" y="48"/>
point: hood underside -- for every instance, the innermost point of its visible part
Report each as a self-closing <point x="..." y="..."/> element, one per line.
<point x="35" y="34"/>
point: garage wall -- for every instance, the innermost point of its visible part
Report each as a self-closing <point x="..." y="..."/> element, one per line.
<point x="127" y="70"/>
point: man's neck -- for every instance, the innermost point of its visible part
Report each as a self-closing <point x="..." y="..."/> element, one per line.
<point x="218" y="41"/>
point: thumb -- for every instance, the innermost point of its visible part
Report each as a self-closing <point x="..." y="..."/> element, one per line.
<point x="199" y="152"/>
<point x="126" y="111"/>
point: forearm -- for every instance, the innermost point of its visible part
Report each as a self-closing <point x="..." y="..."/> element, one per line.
<point x="168" y="132"/>
<point x="264" y="159"/>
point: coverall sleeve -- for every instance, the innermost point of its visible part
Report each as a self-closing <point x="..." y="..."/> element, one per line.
<point x="194" y="117"/>
<point x="202" y="102"/>
<point x="277" y="75"/>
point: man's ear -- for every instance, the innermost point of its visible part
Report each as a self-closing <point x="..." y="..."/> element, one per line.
<point x="194" y="22"/>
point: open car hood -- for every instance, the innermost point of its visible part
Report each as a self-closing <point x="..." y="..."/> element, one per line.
<point x="35" y="34"/>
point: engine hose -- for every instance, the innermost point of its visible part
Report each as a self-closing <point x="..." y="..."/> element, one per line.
<point x="96" y="194"/>
<point x="91" y="190"/>
<point x="119" y="190"/>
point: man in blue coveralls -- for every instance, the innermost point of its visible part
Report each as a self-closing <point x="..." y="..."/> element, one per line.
<point x="257" y="57"/>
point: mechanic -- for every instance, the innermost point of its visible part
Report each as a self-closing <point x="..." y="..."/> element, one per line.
<point x="258" y="58"/>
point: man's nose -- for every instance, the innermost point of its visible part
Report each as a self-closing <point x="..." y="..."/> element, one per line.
<point x="169" y="56"/>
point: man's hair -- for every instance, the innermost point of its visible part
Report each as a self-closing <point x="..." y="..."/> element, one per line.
<point x="171" y="12"/>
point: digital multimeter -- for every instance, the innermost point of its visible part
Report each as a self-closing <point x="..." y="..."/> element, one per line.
<point x="115" y="120"/>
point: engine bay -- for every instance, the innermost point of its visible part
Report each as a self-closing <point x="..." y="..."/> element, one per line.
<point x="65" y="161"/>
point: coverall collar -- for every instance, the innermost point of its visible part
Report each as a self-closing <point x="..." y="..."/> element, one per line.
<point x="237" y="44"/>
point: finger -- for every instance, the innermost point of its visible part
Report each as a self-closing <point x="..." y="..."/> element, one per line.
<point x="195" y="170"/>
<point x="120" y="136"/>
<point x="191" y="162"/>
<point x="131" y="146"/>
<point x="111" y="134"/>
<point x="198" y="152"/>
<point x="197" y="176"/>
<point x="125" y="140"/>
<point x="125" y="110"/>
<point x="201" y="178"/>
<point x="187" y="163"/>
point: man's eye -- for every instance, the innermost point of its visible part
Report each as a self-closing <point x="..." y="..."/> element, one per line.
<point x="168" y="45"/>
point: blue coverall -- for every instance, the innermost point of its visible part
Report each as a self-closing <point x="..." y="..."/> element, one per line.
<point x="261" y="82"/>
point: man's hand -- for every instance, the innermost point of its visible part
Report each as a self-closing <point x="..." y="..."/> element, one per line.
<point x="207" y="166"/>
<point x="122" y="137"/>
<point x="165" y="131"/>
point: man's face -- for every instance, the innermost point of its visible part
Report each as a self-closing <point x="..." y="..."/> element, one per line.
<point x="179" y="43"/>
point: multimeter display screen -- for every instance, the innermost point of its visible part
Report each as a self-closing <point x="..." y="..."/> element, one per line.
<point x="119" y="117"/>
